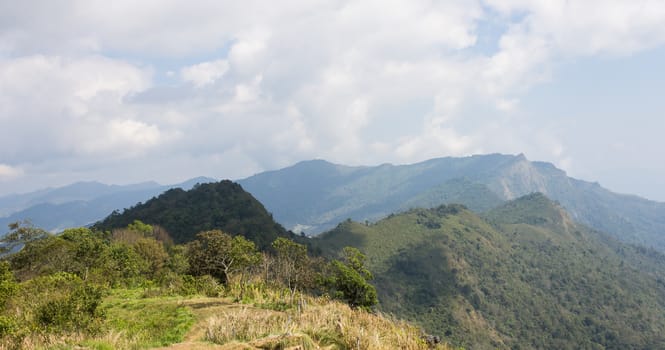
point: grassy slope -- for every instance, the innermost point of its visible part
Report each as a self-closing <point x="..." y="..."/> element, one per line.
<point x="526" y="276"/>
<point x="261" y="321"/>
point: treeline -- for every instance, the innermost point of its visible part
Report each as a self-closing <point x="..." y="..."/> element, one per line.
<point x="55" y="284"/>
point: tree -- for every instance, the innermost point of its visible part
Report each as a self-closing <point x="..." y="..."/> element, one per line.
<point x="19" y="234"/>
<point x="291" y="264"/>
<point x="125" y="266"/>
<point x="42" y="257"/>
<point x="90" y="249"/>
<point x="153" y="253"/>
<point x="349" y="280"/>
<point x="218" y="254"/>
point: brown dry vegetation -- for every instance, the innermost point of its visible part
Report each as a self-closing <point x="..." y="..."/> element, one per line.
<point x="266" y="319"/>
<point x="311" y="323"/>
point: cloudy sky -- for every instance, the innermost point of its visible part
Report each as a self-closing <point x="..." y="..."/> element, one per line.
<point x="128" y="91"/>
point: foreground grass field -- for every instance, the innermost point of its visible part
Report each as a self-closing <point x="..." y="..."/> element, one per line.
<point x="260" y="319"/>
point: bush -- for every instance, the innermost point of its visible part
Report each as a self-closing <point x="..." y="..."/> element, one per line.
<point x="8" y="285"/>
<point x="62" y="302"/>
<point x="77" y="310"/>
<point x="185" y="285"/>
<point x="349" y="280"/>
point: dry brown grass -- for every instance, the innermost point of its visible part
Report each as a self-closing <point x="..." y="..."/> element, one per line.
<point x="315" y="323"/>
<point x="110" y="340"/>
<point x="266" y="319"/>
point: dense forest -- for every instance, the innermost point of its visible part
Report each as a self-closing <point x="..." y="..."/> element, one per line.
<point x="223" y="205"/>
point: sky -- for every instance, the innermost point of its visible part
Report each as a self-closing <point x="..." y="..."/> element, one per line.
<point x="130" y="91"/>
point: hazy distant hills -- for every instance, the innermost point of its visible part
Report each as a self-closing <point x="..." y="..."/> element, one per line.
<point x="316" y="195"/>
<point x="522" y="276"/>
<point x="79" y="204"/>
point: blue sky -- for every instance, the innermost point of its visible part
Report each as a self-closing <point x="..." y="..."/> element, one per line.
<point x="125" y="92"/>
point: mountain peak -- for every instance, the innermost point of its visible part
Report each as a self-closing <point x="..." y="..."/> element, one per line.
<point x="533" y="209"/>
<point x="221" y="205"/>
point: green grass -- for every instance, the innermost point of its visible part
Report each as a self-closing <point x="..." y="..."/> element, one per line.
<point x="149" y="322"/>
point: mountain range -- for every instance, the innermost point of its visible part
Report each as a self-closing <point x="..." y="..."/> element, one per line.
<point x="313" y="196"/>
<point x="79" y="204"/>
<point x="501" y="266"/>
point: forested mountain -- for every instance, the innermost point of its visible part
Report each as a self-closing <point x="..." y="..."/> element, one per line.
<point x="316" y="195"/>
<point x="222" y="205"/>
<point x="524" y="275"/>
<point x="79" y="204"/>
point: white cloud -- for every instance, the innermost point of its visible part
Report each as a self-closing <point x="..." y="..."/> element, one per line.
<point x="121" y="138"/>
<point x="346" y="80"/>
<point x="435" y="140"/>
<point x="592" y="26"/>
<point x="204" y="73"/>
<point x="8" y="172"/>
<point x="57" y="106"/>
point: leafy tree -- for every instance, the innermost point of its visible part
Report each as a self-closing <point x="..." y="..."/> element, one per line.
<point x="125" y="266"/>
<point x="291" y="263"/>
<point x="90" y="250"/>
<point x="42" y="257"/>
<point x="218" y="254"/>
<point x="20" y="233"/>
<point x="178" y="262"/>
<point x="24" y="231"/>
<point x="153" y="253"/>
<point x="140" y="227"/>
<point x="349" y="279"/>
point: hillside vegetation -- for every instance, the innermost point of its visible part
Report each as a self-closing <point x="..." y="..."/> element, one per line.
<point x="223" y="205"/>
<point x="523" y="276"/>
<point x="129" y="290"/>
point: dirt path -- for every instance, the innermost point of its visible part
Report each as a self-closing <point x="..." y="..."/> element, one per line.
<point x="203" y="308"/>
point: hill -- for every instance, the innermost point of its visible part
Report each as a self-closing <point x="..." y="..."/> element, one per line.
<point x="522" y="276"/>
<point x="223" y="205"/>
<point x="86" y="289"/>
<point x="316" y="195"/>
<point x="79" y="204"/>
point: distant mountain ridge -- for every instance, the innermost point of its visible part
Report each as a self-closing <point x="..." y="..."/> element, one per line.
<point x="79" y="204"/>
<point x="316" y="195"/>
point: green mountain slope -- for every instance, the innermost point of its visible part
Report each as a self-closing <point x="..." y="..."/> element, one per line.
<point x="316" y="195"/>
<point x="223" y="205"/>
<point x="524" y="276"/>
<point x="79" y="204"/>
